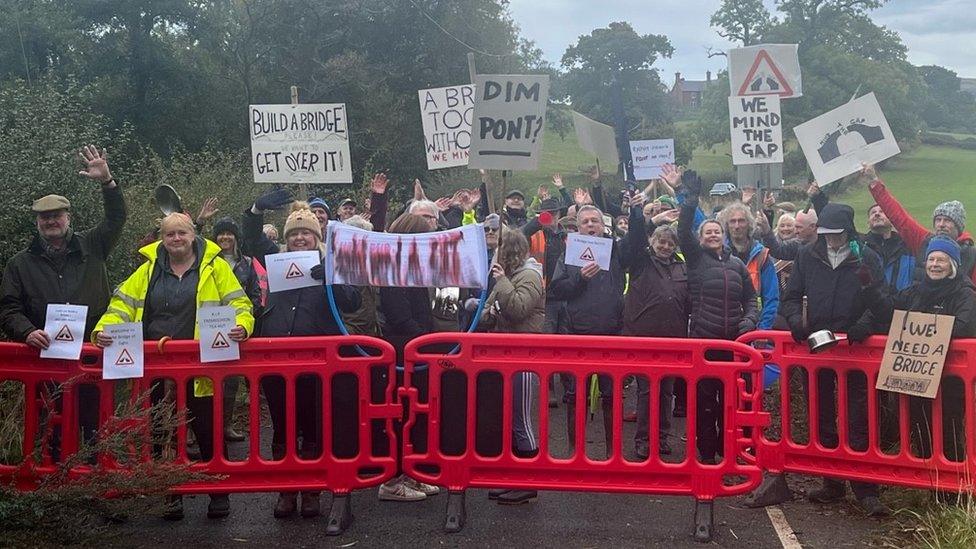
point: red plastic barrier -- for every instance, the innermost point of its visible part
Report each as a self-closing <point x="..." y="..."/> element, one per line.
<point x="617" y="357"/>
<point x="323" y="358"/>
<point x="888" y="457"/>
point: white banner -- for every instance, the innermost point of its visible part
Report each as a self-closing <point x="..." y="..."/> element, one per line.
<point x="757" y="130"/>
<point x="300" y="143"/>
<point x="455" y="258"/>
<point x="598" y="139"/>
<point x="838" y="142"/>
<point x="446" y="114"/>
<point x="766" y="69"/>
<point x="509" y="121"/>
<point x="215" y="324"/>
<point x="123" y="359"/>
<point x="649" y="155"/>
<point x="65" y="325"/>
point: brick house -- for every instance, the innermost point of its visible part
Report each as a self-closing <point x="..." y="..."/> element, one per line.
<point x="688" y="93"/>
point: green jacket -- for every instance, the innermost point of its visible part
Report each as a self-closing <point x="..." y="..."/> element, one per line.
<point x="31" y="280"/>
<point x="517" y="304"/>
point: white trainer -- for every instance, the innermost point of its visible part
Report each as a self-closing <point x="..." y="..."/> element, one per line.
<point x="427" y="489"/>
<point x="398" y="490"/>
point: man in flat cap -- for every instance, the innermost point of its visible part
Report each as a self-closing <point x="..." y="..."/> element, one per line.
<point x="347" y="209"/>
<point x="513" y="214"/>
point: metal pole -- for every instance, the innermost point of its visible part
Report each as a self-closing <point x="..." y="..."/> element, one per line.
<point x="620" y="125"/>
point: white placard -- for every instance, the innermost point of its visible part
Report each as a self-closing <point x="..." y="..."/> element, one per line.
<point x="649" y="155"/>
<point x="757" y="130"/>
<point x="215" y="325"/>
<point x="509" y="121"/>
<point x="582" y="249"/>
<point x="446" y="114"/>
<point x="455" y="258"/>
<point x="291" y="270"/>
<point x="123" y="359"/>
<point x="598" y="139"/>
<point x="65" y="325"/>
<point x="838" y="142"/>
<point x="300" y="143"/>
<point x="766" y="69"/>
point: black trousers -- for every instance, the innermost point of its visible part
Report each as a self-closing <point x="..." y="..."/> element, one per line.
<point x="308" y="413"/>
<point x="857" y="418"/>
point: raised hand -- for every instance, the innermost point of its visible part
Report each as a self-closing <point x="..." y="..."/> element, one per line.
<point x="474" y="196"/>
<point x="748" y="193"/>
<point x="769" y="201"/>
<point x="274" y="200"/>
<point x="418" y="190"/>
<point x="557" y="180"/>
<point x="666" y="217"/>
<point x="443" y="203"/>
<point x="671" y="175"/>
<point x="96" y="164"/>
<point x="813" y="190"/>
<point x="868" y="172"/>
<point x="379" y="183"/>
<point x="543" y="192"/>
<point x="207" y="211"/>
<point x="637" y="201"/>
<point x="595" y="174"/>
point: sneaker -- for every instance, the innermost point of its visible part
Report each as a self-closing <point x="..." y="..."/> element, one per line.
<point x="831" y="491"/>
<point x="873" y="507"/>
<point x="426" y="489"/>
<point x="397" y="490"/>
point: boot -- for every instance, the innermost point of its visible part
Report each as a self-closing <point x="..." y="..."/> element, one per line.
<point x="219" y="506"/>
<point x="773" y="491"/>
<point x="310" y="504"/>
<point x="607" y="405"/>
<point x="174" y="509"/>
<point x="571" y="425"/>
<point x="832" y="490"/>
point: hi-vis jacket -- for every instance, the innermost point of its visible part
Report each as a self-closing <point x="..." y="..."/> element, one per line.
<point x="218" y="286"/>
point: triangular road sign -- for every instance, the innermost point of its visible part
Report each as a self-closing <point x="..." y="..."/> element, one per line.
<point x="219" y="342"/>
<point x="64" y="334"/>
<point x="765" y="78"/>
<point x="294" y="272"/>
<point x="125" y="359"/>
<point x="587" y="255"/>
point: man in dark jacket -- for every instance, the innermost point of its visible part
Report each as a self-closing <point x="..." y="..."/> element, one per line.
<point x="594" y="306"/>
<point x="62" y="266"/>
<point x="830" y="274"/>
<point x="897" y="261"/>
<point x="513" y="214"/>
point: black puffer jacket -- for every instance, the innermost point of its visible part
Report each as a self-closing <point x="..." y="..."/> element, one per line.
<point x="408" y="315"/>
<point x="723" y="301"/>
<point x="656" y="303"/>
<point x="595" y="306"/>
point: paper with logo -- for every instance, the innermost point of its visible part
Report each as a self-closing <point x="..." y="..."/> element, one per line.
<point x="290" y="270"/>
<point x="766" y="69"/>
<point x="582" y="249"/>
<point x="123" y="359"/>
<point x="65" y="325"/>
<point x="215" y="324"/>
<point x="915" y="353"/>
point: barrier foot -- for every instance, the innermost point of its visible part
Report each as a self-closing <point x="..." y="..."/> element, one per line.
<point x="340" y="517"/>
<point x="456" y="512"/>
<point x="703" y="521"/>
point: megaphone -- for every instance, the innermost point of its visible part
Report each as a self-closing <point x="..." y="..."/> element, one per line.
<point x="167" y="200"/>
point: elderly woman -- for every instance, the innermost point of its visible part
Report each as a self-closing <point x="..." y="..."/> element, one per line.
<point x="786" y="227"/>
<point x="182" y="273"/>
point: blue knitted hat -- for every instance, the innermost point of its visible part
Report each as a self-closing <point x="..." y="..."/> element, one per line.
<point x="946" y="245"/>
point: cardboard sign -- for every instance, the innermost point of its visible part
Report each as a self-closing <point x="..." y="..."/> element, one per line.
<point x="838" y="142"/>
<point x="649" y="155"/>
<point x="757" y="131"/>
<point x="582" y="249"/>
<point x="915" y="353"/>
<point x="65" y="325"/>
<point x="509" y="121"/>
<point x="766" y="69"/>
<point x="291" y="270"/>
<point x="455" y="258"/>
<point x="300" y="143"/>
<point x="447" y="114"/>
<point x="123" y="359"/>
<point x="215" y="324"/>
<point x="598" y="139"/>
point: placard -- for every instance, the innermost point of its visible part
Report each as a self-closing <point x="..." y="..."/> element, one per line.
<point x="65" y="325"/>
<point x="291" y="270"/>
<point x="766" y="69"/>
<point x="582" y="249"/>
<point x="455" y="258"/>
<point x="915" y="353"/>
<point x="598" y="139"/>
<point x="509" y="121"/>
<point x="123" y="359"/>
<point x="305" y="143"/>
<point x="757" y="131"/>
<point x="835" y="144"/>
<point x="215" y="324"/>
<point x="649" y="155"/>
<point x="446" y="114"/>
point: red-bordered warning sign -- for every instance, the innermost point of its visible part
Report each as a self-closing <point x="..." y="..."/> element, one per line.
<point x="219" y="342"/>
<point x="125" y="359"/>
<point x="64" y="334"/>
<point x="587" y="255"/>
<point x="765" y="78"/>
<point x="294" y="271"/>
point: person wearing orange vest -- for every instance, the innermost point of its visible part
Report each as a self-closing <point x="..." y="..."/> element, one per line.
<point x="739" y="225"/>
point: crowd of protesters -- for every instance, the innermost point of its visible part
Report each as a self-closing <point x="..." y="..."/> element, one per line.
<point x="674" y="271"/>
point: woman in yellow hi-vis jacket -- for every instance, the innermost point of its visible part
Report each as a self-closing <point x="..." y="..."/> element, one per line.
<point x="183" y="273"/>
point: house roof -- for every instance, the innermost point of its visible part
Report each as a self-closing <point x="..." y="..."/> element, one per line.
<point x="693" y="85"/>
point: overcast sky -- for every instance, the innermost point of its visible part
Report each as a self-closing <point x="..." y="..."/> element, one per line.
<point x="941" y="32"/>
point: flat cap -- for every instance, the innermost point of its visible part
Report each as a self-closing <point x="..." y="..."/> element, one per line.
<point x="51" y="203"/>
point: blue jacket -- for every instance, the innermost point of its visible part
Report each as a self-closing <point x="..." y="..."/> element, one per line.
<point x="768" y="290"/>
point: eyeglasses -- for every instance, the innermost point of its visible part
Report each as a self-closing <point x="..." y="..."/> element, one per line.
<point x="491" y="230"/>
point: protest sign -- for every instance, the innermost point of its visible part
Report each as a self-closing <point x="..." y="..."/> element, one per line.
<point x="215" y="324"/>
<point x="446" y="114"/>
<point x="300" y="143"/>
<point x="596" y="138"/>
<point x="838" y="142"/>
<point x="649" y="155"/>
<point x="915" y="353"/>
<point x="582" y="249"/>
<point x="766" y="69"/>
<point x="757" y="131"/>
<point x="123" y="359"/>
<point x="65" y="325"/>
<point x="291" y="270"/>
<point x="455" y="258"/>
<point x="509" y="121"/>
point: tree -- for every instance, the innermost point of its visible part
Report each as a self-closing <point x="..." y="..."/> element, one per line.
<point x="743" y="21"/>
